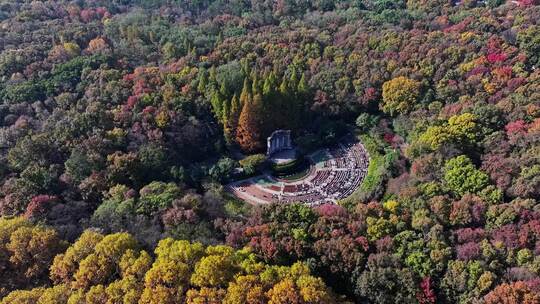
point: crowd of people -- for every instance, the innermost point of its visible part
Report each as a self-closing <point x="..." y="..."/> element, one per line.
<point x="334" y="177"/>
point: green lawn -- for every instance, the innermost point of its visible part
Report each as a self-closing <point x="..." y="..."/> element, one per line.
<point x="380" y="161"/>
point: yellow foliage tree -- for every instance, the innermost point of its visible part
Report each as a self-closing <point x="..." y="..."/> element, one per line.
<point x="66" y="264"/>
<point x="205" y="296"/>
<point x="460" y="129"/>
<point x="400" y="95"/>
<point x="99" y="269"/>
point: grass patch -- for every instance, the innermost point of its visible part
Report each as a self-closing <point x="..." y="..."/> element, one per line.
<point x="262" y="181"/>
<point x="291" y="168"/>
<point x="297" y="176"/>
<point x="381" y="159"/>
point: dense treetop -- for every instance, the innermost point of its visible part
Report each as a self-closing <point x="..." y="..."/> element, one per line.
<point x="121" y="122"/>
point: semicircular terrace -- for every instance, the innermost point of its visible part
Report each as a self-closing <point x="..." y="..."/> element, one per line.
<point x="336" y="173"/>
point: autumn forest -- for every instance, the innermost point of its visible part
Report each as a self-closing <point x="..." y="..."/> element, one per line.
<point x="122" y="123"/>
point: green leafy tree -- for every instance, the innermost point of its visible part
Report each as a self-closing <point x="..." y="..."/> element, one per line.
<point x="460" y="131"/>
<point x="157" y="196"/>
<point x="222" y="170"/>
<point x="385" y="281"/>
<point x="529" y="40"/>
<point x="252" y="163"/>
<point x="462" y="177"/>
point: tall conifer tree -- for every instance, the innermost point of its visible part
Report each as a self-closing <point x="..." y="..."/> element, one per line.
<point x="231" y="123"/>
<point x="245" y="96"/>
<point x="203" y="81"/>
<point x="303" y="87"/>
<point x="248" y="133"/>
<point x="217" y="100"/>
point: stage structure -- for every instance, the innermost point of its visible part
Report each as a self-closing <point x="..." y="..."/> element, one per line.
<point x="280" y="140"/>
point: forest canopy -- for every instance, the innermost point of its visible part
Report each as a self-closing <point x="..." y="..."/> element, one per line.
<point x="123" y="122"/>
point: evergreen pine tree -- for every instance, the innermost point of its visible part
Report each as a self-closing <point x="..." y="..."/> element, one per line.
<point x="283" y="106"/>
<point x="212" y="77"/>
<point x="230" y="122"/>
<point x="186" y="45"/>
<point x="284" y="87"/>
<point x="234" y="114"/>
<point x="245" y="96"/>
<point x="226" y="110"/>
<point x="223" y="90"/>
<point x="269" y="84"/>
<point x="219" y="39"/>
<point x="227" y="119"/>
<point x="244" y="65"/>
<point x="303" y="85"/>
<point x="255" y="85"/>
<point x="269" y="99"/>
<point x="303" y="97"/>
<point x="203" y="81"/>
<point x="293" y="83"/>
<point x="217" y="101"/>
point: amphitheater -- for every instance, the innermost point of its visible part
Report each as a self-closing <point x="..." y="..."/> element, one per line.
<point x="335" y="173"/>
